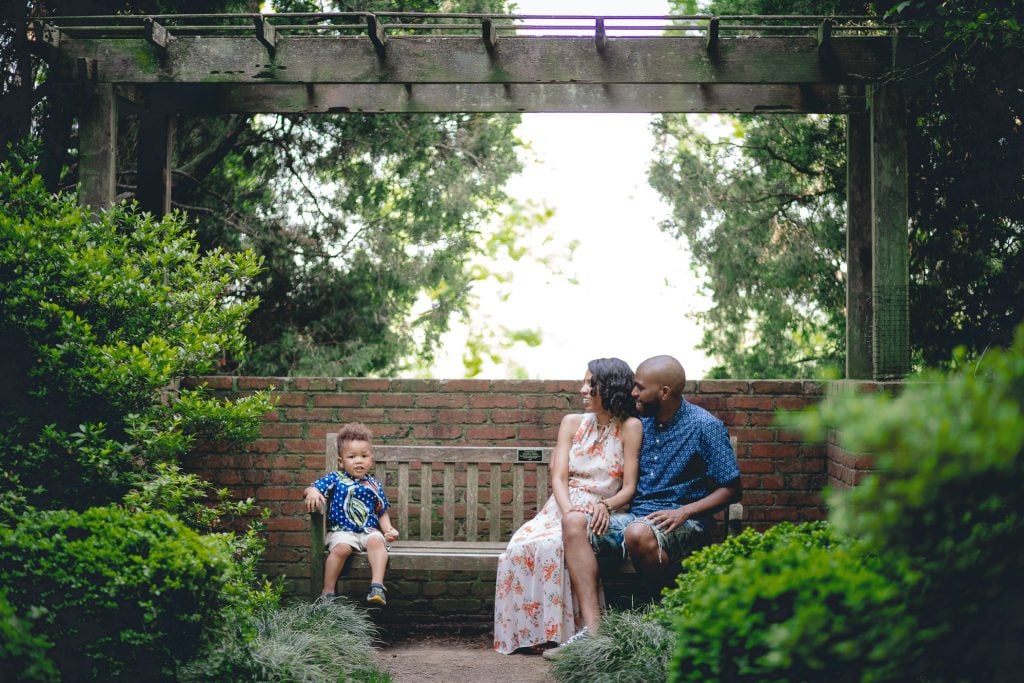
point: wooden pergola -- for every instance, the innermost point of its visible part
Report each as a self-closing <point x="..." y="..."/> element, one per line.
<point x="162" y="67"/>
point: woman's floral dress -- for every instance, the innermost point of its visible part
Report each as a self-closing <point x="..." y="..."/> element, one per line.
<point x="533" y="601"/>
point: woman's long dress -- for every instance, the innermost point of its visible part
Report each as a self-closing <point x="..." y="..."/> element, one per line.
<point x="533" y="601"/>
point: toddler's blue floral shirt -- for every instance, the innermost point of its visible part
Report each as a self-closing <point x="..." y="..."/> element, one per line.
<point x="355" y="505"/>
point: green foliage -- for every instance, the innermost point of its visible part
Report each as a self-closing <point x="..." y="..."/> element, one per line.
<point x="117" y="594"/>
<point x="750" y="200"/>
<point x="325" y="641"/>
<point x="796" y="613"/>
<point x="951" y="502"/>
<point x="763" y="205"/>
<point x="100" y="315"/>
<point x="22" y="652"/>
<point x="629" y="648"/>
<point x="719" y="558"/>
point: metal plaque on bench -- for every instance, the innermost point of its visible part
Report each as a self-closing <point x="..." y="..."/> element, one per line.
<point x="529" y="455"/>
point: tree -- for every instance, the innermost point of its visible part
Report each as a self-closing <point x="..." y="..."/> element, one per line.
<point x="356" y="217"/>
<point x="764" y="210"/>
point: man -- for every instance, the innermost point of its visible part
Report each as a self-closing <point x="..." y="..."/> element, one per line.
<point x="688" y="471"/>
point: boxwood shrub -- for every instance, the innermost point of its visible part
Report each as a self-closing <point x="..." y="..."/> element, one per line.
<point x="796" y="612"/>
<point x="116" y="594"/>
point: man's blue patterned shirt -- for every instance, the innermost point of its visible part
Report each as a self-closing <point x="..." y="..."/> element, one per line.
<point x="682" y="460"/>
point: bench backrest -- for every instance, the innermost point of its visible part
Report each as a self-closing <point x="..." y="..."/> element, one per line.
<point x="458" y="493"/>
<point x="466" y="493"/>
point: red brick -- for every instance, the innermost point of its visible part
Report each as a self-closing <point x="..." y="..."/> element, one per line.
<point x="462" y="417"/>
<point x="750" y="403"/>
<point x="494" y="401"/>
<point x="313" y="384"/>
<point x="490" y="433"/>
<point x="784" y="465"/>
<point x="791" y="403"/>
<point x="280" y="429"/>
<point x="533" y="433"/>
<point x="712" y="404"/>
<point x="502" y="416"/>
<point x="465" y="385"/>
<point x="251" y="383"/>
<point x="411" y="416"/>
<point x="761" y="419"/>
<point x="279" y="493"/>
<point x="747" y="434"/>
<point x="368" y="415"/>
<point x="776" y="387"/>
<point x="303" y="445"/>
<point x="290" y="399"/>
<point x="774" y="450"/>
<point x="520" y="386"/>
<point x="343" y="400"/>
<point x="562" y="404"/>
<point x="569" y="386"/>
<point x="798" y="498"/>
<point x="772" y="482"/>
<point x="722" y="386"/>
<point x="365" y="384"/>
<point x="283" y="477"/>
<point x="309" y="414"/>
<point x="263" y="446"/>
<point x="756" y="466"/>
<point x="437" y="431"/>
<point x="441" y="401"/>
<point x="214" y="383"/>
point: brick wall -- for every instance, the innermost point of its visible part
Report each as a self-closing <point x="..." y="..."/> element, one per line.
<point x="782" y="476"/>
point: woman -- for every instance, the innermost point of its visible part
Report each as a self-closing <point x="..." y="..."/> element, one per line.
<point x="594" y="469"/>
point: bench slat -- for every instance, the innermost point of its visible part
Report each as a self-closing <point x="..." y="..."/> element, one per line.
<point x="517" y="495"/>
<point x="426" y="500"/>
<point x="403" y="498"/>
<point x="495" y="511"/>
<point x="448" y="526"/>
<point x="472" y="484"/>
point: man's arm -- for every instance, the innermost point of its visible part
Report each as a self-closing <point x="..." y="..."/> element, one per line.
<point x="668" y="520"/>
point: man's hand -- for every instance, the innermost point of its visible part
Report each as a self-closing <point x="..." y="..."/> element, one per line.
<point x="669" y="520"/>
<point x="314" y="500"/>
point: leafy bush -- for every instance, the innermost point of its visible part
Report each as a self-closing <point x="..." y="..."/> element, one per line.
<point x="22" y="653"/>
<point x="100" y="315"/>
<point x="796" y="613"/>
<point x="117" y="594"/>
<point x="324" y="641"/>
<point x="720" y="558"/>
<point x="950" y="503"/>
<point x="630" y="647"/>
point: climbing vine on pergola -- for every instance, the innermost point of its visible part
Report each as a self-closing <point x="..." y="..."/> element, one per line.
<point x="165" y="67"/>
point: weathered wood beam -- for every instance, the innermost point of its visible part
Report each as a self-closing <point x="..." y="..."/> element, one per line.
<point x="157" y="36"/>
<point x="44" y="41"/>
<point x="154" y="153"/>
<point x="711" y="41"/>
<point x="858" y="246"/>
<point x="824" y="35"/>
<point x="490" y="35"/>
<point x="890" y="339"/>
<point x="376" y="31"/>
<point x="97" y="147"/>
<point x="464" y="59"/>
<point x="439" y="98"/>
<point x="266" y="34"/>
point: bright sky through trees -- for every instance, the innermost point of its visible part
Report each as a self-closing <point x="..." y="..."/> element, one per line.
<point x="633" y="285"/>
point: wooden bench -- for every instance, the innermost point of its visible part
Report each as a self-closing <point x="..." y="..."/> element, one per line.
<point x="456" y="506"/>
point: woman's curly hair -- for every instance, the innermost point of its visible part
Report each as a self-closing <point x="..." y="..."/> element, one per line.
<point x="613" y="380"/>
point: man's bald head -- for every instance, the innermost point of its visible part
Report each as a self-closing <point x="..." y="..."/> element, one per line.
<point x="665" y="371"/>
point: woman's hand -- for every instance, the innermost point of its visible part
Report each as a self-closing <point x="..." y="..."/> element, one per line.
<point x="599" y="517"/>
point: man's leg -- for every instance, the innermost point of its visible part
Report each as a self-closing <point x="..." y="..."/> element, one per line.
<point x="642" y="545"/>
<point x="582" y="564"/>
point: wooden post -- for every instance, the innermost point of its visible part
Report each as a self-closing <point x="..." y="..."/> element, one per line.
<point x="890" y="236"/>
<point x="97" y="147"/>
<point x="858" y="246"/>
<point x="156" y="142"/>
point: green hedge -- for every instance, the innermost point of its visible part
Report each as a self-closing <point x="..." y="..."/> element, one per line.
<point x="117" y="594"/>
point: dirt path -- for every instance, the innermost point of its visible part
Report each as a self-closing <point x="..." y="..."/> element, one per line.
<point x="467" y="659"/>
